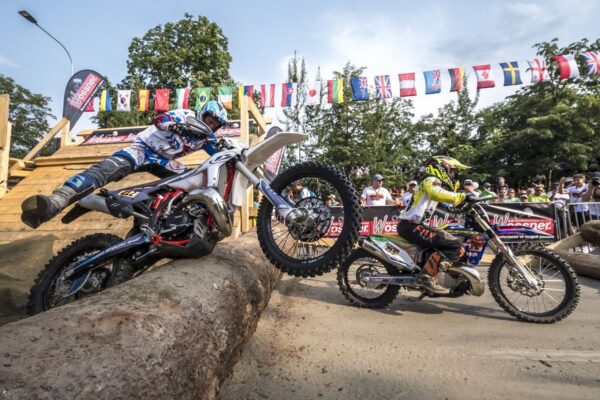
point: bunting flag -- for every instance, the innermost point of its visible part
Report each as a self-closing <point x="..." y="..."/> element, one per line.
<point x="407" y="84"/>
<point x="90" y="106"/>
<point x="202" y="96"/>
<point x="225" y="96"/>
<point x="484" y="76"/>
<point x="457" y="78"/>
<point x="512" y="75"/>
<point x="312" y="93"/>
<point x="105" y="103"/>
<point x="592" y="60"/>
<point x="183" y="98"/>
<point x="288" y="94"/>
<point x="267" y="96"/>
<point x="247" y="90"/>
<point x="539" y="72"/>
<point x="383" y="87"/>
<point x="143" y="99"/>
<point x="161" y="99"/>
<point x="123" y="100"/>
<point x="433" y="82"/>
<point x="568" y="66"/>
<point x="335" y="91"/>
<point x="360" y="88"/>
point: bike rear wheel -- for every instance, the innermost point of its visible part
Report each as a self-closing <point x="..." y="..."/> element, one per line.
<point x="47" y="290"/>
<point x="354" y="269"/>
<point x="318" y="244"/>
<point x="556" y="298"/>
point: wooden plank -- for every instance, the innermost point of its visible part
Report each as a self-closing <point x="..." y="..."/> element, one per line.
<point x="65" y="136"/>
<point x="4" y="110"/>
<point x="49" y="136"/>
<point x="258" y="117"/>
<point x="4" y="159"/>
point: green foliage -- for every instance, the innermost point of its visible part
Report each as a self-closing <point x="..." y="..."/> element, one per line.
<point x="188" y="53"/>
<point x="28" y="113"/>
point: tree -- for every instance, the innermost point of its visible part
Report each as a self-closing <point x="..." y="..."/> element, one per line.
<point x="188" y="53"/>
<point x="29" y="113"/>
<point x="546" y="129"/>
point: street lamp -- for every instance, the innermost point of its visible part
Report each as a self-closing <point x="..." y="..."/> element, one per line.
<point x="30" y="18"/>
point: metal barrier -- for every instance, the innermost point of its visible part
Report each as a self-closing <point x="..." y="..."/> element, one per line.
<point x="569" y="219"/>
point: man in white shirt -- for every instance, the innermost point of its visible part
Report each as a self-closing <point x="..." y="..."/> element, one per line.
<point x="376" y="194"/>
<point x="412" y="186"/>
<point x="580" y="213"/>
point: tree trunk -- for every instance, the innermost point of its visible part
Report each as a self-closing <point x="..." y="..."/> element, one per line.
<point x="174" y="333"/>
<point x="590" y="231"/>
<point x="584" y="264"/>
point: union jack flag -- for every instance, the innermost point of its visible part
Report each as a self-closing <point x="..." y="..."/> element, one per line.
<point x="592" y="59"/>
<point x="383" y="87"/>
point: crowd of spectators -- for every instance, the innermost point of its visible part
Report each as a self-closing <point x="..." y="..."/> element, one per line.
<point x="568" y="190"/>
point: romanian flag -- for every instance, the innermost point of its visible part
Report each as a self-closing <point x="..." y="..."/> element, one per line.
<point x="512" y="75"/>
<point x="335" y="91"/>
<point x="105" y="104"/>
<point x="183" y="98"/>
<point x="202" y="96"/>
<point x="457" y="78"/>
<point x="161" y="99"/>
<point x="143" y="96"/>
<point x="225" y="96"/>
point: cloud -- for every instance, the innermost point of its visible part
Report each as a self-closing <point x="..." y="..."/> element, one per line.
<point x="8" y="63"/>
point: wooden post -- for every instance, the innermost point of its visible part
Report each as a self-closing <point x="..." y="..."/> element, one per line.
<point x="5" y="128"/>
<point x="65" y="138"/>
<point x="245" y="139"/>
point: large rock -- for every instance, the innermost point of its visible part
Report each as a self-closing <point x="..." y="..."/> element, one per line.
<point x="174" y="333"/>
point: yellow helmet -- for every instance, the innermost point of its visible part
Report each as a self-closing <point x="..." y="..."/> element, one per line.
<point x="445" y="169"/>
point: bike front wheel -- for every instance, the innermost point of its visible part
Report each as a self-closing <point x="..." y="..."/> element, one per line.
<point x="325" y="238"/>
<point x="556" y="297"/>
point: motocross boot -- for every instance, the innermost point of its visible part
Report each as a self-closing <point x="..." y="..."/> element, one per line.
<point x="431" y="284"/>
<point x="38" y="209"/>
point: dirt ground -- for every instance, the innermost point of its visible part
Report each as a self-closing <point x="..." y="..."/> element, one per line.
<point x="311" y="344"/>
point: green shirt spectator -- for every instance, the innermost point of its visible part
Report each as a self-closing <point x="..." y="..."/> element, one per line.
<point x="539" y="196"/>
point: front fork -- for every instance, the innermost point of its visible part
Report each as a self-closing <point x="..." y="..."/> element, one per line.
<point x="499" y="247"/>
<point x="284" y="209"/>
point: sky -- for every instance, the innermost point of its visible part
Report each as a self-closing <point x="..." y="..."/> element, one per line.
<point x="386" y="37"/>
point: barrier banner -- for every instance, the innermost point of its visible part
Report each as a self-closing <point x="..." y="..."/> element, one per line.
<point x="80" y="90"/>
<point x="536" y="216"/>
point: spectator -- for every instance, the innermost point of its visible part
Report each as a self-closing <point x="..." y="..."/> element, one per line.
<point x="487" y="191"/>
<point x="301" y="192"/>
<point x="554" y="189"/>
<point x="579" y="213"/>
<point x="412" y="187"/>
<point x="502" y="194"/>
<point x="501" y="183"/>
<point x="331" y="201"/>
<point x="523" y="198"/>
<point x="376" y="194"/>
<point x="511" y="196"/>
<point x="539" y="195"/>
<point x="593" y="196"/>
<point x="530" y="190"/>
<point x="469" y="187"/>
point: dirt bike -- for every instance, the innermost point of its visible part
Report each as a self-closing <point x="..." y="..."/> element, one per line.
<point x="532" y="283"/>
<point x="187" y="214"/>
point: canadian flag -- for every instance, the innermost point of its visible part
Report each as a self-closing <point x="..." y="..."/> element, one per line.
<point x="484" y="76"/>
<point x="312" y="93"/>
<point x="568" y="66"/>
<point x="407" y="84"/>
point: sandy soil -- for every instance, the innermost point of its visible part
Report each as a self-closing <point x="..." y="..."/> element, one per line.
<point x="310" y="344"/>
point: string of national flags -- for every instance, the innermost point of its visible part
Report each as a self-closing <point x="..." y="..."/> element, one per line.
<point x="285" y="95"/>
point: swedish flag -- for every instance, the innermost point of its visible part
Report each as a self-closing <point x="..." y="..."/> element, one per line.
<point x="512" y="75"/>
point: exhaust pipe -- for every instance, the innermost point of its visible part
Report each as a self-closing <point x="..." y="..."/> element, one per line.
<point x="94" y="202"/>
<point x="396" y="261"/>
<point x="217" y="208"/>
<point x="471" y="274"/>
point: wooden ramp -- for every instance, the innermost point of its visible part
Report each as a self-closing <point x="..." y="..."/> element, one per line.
<point x="51" y="172"/>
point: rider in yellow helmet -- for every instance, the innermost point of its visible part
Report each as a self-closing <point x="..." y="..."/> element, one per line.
<point x="439" y="186"/>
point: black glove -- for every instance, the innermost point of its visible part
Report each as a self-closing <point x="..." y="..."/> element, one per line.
<point x="471" y="198"/>
<point x="180" y="129"/>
